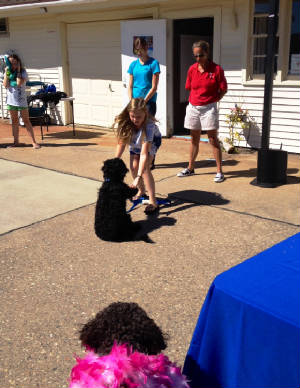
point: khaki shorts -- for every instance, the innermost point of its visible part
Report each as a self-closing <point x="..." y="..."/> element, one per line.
<point x="202" y="117"/>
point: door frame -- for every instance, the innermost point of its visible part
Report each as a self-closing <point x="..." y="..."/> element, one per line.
<point x="191" y="13"/>
<point x="64" y="73"/>
<point x="179" y="76"/>
<point x="131" y="28"/>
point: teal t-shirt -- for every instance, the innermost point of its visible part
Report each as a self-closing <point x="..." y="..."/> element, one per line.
<point x="142" y="77"/>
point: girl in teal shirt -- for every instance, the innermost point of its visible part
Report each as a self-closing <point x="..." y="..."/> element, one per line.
<point x="144" y="76"/>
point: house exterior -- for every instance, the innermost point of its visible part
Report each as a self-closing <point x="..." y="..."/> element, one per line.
<point x="84" y="48"/>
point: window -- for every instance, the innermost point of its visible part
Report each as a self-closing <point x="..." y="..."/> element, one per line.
<point x="294" y="54"/>
<point x="259" y="37"/>
<point x="287" y="50"/>
<point x="3" y="26"/>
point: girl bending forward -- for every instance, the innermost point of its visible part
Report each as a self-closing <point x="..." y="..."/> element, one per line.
<point x="136" y="127"/>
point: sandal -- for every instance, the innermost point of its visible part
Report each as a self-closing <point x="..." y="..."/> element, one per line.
<point x="140" y="196"/>
<point x="151" y="209"/>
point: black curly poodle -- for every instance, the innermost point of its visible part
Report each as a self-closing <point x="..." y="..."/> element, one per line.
<point x="125" y="323"/>
<point x="112" y="223"/>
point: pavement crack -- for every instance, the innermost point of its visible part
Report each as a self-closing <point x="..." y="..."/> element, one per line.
<point x="52" y="169"/>
<point x="182" y="200"/>
<point x="46" y="219"/>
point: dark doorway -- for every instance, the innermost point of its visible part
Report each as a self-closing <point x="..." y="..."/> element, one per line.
<point x="186" y="32"/>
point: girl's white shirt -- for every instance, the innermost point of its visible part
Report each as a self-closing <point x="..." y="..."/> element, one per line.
<point x="16" y="95"/>
<point x="152" y="134"/>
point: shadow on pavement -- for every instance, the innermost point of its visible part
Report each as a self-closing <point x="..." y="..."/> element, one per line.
<point x="151" y="223"/>
<point x="198" y="164"/>
<point x="69" y="134"/>
<point x="252" y="172"/>
<point x="292" y="180"/>
<point x="191" y="198"/>
<point x="199" y="197"/>
<point x="66" y="144"/>
<point x="44" y="145"/>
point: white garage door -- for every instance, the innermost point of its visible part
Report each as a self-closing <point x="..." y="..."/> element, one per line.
<point x="95" y="70"/>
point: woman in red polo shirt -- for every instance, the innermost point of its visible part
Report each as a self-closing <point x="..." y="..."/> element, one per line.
<point x="207" y="85"/>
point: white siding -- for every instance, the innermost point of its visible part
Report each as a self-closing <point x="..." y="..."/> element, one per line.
<point x="285" y="123"/>
<point x="37" y="42"/>
<point x="95" y="69"/>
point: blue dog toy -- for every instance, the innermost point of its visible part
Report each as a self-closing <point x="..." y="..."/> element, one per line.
<point x="141" y="199"/>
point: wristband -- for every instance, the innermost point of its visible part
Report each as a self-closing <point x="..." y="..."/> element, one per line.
<point x="139" y="176"/>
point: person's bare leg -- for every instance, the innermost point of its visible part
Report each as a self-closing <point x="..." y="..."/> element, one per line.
<point x="194" y="148"/>
<point x="15" y="126"/>
<point x="216" y="147"/>
<point x="134" y="165"/>
<point x="27" y="123"/>
<point x="149" y="181"/>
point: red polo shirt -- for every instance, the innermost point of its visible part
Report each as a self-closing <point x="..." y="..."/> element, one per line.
<point x="205" y="87"/>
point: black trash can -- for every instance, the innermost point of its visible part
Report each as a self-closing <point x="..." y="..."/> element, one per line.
<point x="271" y="168"/>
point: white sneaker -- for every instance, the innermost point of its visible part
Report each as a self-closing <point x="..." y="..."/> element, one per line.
<point x="219" y="177"/>
<point x="186" y="172"/>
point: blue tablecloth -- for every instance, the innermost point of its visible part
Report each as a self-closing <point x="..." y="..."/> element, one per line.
<point x="248" y="331"/>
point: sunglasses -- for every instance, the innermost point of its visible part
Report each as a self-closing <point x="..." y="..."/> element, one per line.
<point x="199" y="55"/>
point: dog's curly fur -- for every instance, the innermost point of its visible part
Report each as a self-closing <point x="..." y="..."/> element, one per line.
<point x="112" y="223"/>
<point x="125" y="323"/>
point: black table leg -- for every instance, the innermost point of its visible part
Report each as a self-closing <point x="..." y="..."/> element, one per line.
<point x="41" y="125"/>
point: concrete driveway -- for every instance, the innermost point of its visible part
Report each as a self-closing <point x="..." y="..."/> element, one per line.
<point x="31" y="194"/>
<point x="56" y="274"/>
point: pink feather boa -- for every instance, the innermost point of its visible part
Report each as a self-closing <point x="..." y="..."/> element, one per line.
<point x="125" y="368"/>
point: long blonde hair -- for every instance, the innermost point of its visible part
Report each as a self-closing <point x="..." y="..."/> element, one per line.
<point x="125" y="127"/>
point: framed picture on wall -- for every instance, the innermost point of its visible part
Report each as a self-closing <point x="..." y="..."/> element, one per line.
<point x="149" y="40"/>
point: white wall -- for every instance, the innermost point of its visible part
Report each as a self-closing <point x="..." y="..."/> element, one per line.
<point x="37" y="42"/>
<point x="285" y="123"/>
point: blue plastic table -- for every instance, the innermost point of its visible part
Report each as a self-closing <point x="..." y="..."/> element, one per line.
<point x="248" y="331"/>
